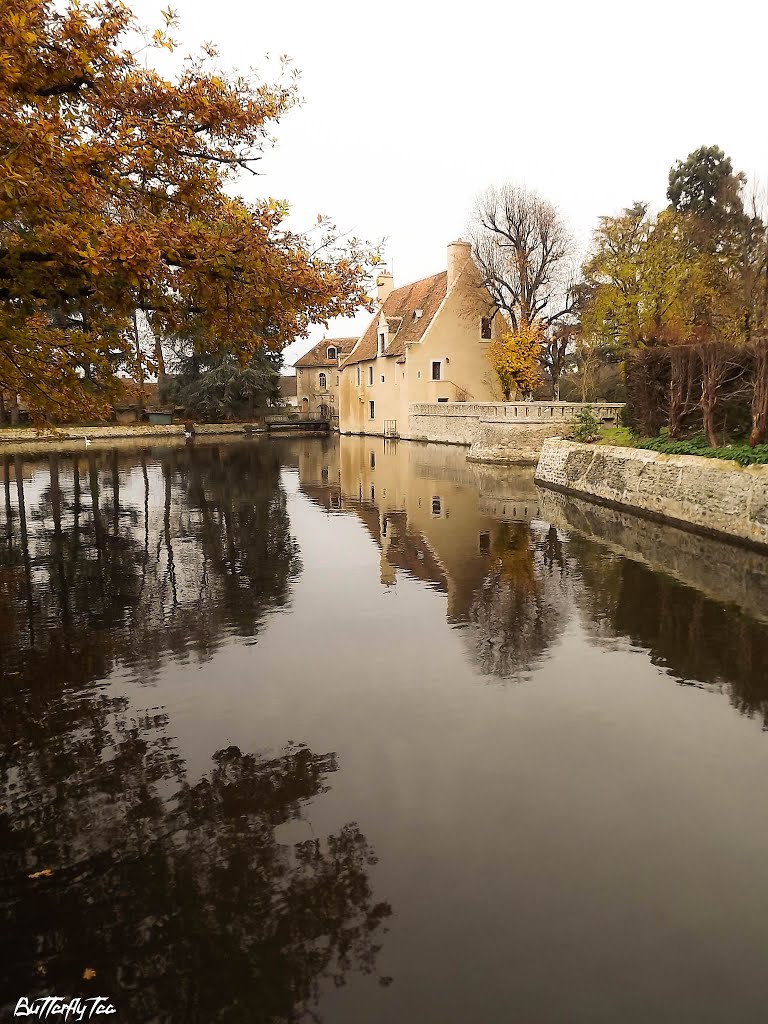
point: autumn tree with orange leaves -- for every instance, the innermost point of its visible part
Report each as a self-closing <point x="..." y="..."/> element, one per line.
<point x="116" y="195"/>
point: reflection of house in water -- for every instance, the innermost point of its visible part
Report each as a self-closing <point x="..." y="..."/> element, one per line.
<point x="464" y="530"/>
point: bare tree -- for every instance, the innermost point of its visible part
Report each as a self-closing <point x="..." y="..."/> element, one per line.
<point x="525" y="252"/>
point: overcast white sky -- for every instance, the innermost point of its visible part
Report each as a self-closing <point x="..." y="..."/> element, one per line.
<point x="413" y="107"/>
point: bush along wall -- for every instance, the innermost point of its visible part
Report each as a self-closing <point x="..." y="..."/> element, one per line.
<point x="718" y="388"/>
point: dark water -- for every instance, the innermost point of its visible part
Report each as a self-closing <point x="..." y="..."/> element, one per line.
<point x="362" y="732"/>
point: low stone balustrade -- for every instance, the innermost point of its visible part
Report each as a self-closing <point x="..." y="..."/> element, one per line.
<point x="502" y="432"/>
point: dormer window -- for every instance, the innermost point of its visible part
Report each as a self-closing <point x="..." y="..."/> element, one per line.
<point x="485" y="328"/>
<point x="331" y="352"/>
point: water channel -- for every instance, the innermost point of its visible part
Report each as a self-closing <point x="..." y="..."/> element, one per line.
<point x="354" y="730"/>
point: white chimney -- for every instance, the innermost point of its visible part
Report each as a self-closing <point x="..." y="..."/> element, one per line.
<point x="458" y="254"/>
<point x="385" y="285"/>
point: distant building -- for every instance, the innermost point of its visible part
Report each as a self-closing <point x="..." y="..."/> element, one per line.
<point x="427" y="342"/>
<point x="288" y="394"/>
<point x="317" y="376"/>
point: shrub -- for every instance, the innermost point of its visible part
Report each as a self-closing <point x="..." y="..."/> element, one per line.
<point x="587" y="426"/>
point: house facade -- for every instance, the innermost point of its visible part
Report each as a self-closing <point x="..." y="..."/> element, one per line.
<point x="427" y="342"/>
<point x="317" y="376"/>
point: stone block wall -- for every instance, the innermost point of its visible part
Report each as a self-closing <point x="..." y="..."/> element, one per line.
<point x="710" y="495"/>
<point x="504" y="432"/>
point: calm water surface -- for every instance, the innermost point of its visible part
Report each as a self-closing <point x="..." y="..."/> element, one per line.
<point x="357" y="731"/>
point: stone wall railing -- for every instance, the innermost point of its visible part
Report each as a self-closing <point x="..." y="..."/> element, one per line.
<point x="501" y="432"/>
<point x="519" y="412"/>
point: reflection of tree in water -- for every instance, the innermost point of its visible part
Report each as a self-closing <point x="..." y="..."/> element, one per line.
<point x="522" y="606"/>
<point x="180" y="896"/>
<point x="694" y="636"/>
<point x="189" y="908"/>
<point x="123" y="560"/>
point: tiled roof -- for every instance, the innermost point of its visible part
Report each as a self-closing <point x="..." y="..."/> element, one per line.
<point x="399" y="309"/>
<point x="318" y="356"/>
<point x="287" y="386"/>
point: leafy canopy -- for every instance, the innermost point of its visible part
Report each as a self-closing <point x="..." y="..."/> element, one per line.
<point x="116" y="195"/>
<point x="515" y="356"/>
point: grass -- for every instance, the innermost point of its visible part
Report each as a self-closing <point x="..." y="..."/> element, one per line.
<point x="622" y="437"/>
<point x="739" y="451"/>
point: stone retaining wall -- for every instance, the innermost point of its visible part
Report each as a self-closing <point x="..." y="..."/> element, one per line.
<point x="503" y="432"/>
<point x="708" y="495"/>
<point x="724" y="571"/>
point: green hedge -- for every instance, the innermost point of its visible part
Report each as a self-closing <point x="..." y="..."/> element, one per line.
<point x="697" y="445"/>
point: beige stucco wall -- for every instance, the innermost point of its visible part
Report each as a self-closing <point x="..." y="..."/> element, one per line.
<point x="453" y="338"/>
<point x="708" y="494"/>
<point x="309" y="394"/>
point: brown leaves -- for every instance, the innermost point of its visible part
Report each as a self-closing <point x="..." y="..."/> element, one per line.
<point x="45" y="873"/>
<point x="89" y="974"/>
<point x="115" y="195"/>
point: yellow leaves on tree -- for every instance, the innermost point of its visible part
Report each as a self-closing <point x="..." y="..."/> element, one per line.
<point x="515" y="356"/>
<point x="116" y="194"/>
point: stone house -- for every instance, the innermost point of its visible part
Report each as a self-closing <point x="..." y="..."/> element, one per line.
<point x="427" y="342"/>
<point x="317" y="376"/>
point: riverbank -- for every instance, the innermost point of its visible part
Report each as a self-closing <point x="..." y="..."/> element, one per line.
<point x="18" y="440"/>
<point x="709" y="496"/>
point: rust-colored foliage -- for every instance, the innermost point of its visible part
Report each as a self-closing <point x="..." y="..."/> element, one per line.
<point x="116" y="195"/>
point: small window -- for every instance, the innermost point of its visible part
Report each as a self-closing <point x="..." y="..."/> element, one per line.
<point x="337" y="380"/>
<point x="485" y="542"/>
<point x="372" y="410"/>
<point x="436" y="370"/>
<point x="382" y="378"/>
<point x="373" y="460"/>
<point x="442" y="399"/>
<point x="331" y="353"/>
<point x="384" y="526"/>
<point x="436" y="506"/>
<point x="324" y="473"/>
<point x="381" y="342"/>
<point x="370" y="375"/>
<point x="373" y="493"/>
<point x="485" y="328"/>
<point x="358" y="376"/>
<point x="323" y="382"/>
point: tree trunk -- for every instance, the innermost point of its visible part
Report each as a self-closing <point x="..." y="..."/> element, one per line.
<point x="710" y="382"/>
<point x="14" y="409"/>
<point x="140" y="366"/>
<point x="760" y="395"/>
<point x="160" y="360"/>
<point x="3" y="414"/>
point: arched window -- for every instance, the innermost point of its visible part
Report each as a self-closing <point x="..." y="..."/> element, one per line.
<point x="323" y="382"/>
<point x="331" y="353"/>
